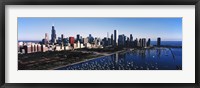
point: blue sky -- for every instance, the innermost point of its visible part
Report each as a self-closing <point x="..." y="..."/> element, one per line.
<point x="169" y="29"/>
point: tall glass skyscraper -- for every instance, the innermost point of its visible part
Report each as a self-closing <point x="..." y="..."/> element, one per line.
<point x="115" y="37"/>
<point x="78" y="38"/>
<point x="53" y="35"/>
<point x="112" y="41"/>
<point x="131" y="37"/>
<point x="158" y="41"/>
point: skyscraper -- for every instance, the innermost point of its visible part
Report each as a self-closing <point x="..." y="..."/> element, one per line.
<point x="85" y="40"/>
<point x="121" y="40"/>
<point x="78" y="38"/>
<point x="81" y="40"/>
<point x="131" y="37"/>
<point x="115" y="37"/>
<point x="148" y="42"/>
<point x="91" y="39"/>
<point x="144" y="42"/>
<point x="53" y="35"/>
<point x="112" y="39"/>
<point x="65" y="41"/>
<point x="105" y="41"/>
<point x="62" y="37"/>
<point x="62" y="40"/>
<point x="136" y="43"/>
<point x="140" y="42"/>
<point x="158" y="41"/>
<point x="45" y="40"/>
<point x="128" y="42"/>
<point x="71" y="40"/>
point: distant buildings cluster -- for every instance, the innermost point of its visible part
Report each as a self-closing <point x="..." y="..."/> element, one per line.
<point x="71" y="43"/>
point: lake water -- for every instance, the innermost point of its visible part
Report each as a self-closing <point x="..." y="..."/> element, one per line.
<point x="149" y="59"/>
<point x="171" y="43"/>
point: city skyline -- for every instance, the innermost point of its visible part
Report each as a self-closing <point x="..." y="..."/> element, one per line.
<point x="35" y="28"/>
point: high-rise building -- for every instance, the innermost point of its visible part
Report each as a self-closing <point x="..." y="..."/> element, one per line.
<point x="98" y="41"/>
<point x="65" y="41"/>
<point x="109" y="41"/>
<point x="131" y="37"/>
<point x="148" y="42"/>
<point x="140" y="42"/>
<point x="62" y="37"/>
<point x="128" y="42"/>
<point x="112" y="41"/>
<point x="121" y="40"/>
<point x="47" y="37"/>
<point x="131" y="42"/>
<point x="78" y="38"/>
<point x="124" y="39"/>
<point x="81" y="39"/>
<point x="78" y="44"/>
<point x="71" y="40"/>
<point x="53" y="35"/>
<point x="105" y="41"/>
<point x="143" y="42"/>
<point x="115" y="37"/>
<point x="45" y="40"/>
<point x="59" y="40"/>
<point x="158" y="41"/>
<point x="91" y="39"/>
<point x="136" y="43"/>
<point x="85" y="40"/>
<point x="95" y="42"/>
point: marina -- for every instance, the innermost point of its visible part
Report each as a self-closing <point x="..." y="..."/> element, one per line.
<point x="139" y="59"/>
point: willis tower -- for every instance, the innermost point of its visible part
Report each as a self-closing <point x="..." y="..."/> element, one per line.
<point x="53" y="35"/>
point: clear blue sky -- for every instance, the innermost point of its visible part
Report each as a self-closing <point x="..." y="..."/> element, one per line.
<point x="169" y="29"/>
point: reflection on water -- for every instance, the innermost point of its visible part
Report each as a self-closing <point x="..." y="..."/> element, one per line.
<point x="147" y="59"/>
